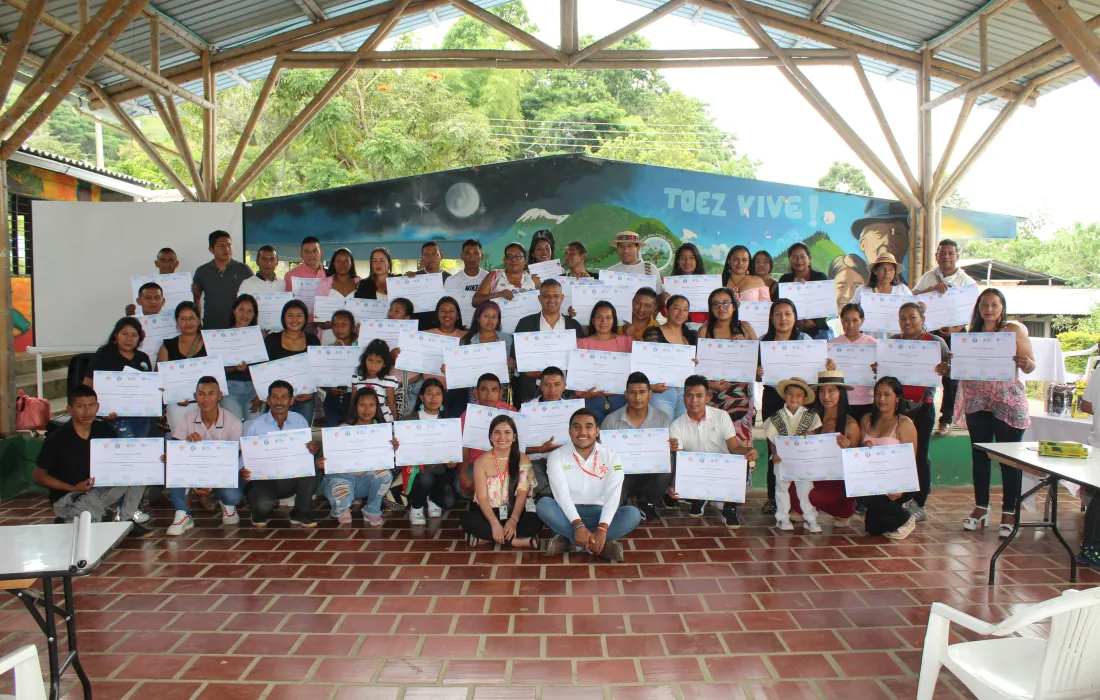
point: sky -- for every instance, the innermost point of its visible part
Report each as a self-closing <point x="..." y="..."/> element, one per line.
<point x="1041" y="161"/>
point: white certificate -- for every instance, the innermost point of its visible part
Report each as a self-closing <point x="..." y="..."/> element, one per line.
<point x="809" y="458"/>
<point x="422" y="290"/>
<point x="236" y="345"/>
<point x="599" y="369"/>
<point x="731" y="360"/>
<point x="129" y="393"/>
<point x="586" y="296"/>
<point x="708" y="476"/>
<point x="855" y="362"/>
<point x="756" y="314"/>
<point x="628" y="279"/>
<point x="792" y="358"/>
<point x="548" y="421"/>
<point x="175" y="288"/>
<point x="641" y="451"/>
<point x="466" y="363"/>
<point x="157" y="329"/>
<point x="951" y="309"/>
<point x="333" y="365"/>
<point x="271" y="309"/>
<point x="127" y="462"/>
<point x="423" y="352"/>
<point x="325" y="307"/>
<point x="294" y="369"/>
<point x="983" y="356"/>
<point x="911" y="362"/>
<point x="358" y="448"/>
<point x="305" y="289"/>
<point x="663" y="363"/>
<point x="881" y="311"/>
<point x="512" y="310"/>
<point x="179" y="377"/>
<point x="210" y="464"/>
<point x="811" y="299"/>
<point x="475" y="431"/>
<point x="428" y="441"/>
<point x="541" y="349"/>
<point x="279" y="455"/>
<point x="696" y="288"/>
<point x="385" y="329"/>
<point x="366" y="309"/>
<point x="880" y="471"/>
<point x="545" y="270"/>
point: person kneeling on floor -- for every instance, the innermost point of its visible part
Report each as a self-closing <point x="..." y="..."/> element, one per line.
<point x="587" y="480"/>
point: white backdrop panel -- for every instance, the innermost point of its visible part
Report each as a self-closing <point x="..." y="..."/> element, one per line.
<point x="86" y="252"/>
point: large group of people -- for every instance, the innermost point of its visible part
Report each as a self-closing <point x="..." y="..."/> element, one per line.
<point x="574" y="485"/>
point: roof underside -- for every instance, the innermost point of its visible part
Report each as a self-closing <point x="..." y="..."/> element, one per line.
<point x="906" y="24"/>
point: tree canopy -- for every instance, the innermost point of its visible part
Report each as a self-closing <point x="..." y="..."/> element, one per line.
<point x="845" y="177"/>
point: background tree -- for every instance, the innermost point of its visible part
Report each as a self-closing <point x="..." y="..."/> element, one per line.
<point x="845" y="177"/>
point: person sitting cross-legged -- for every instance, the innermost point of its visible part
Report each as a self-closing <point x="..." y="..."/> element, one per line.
<point x="503" y="480"/>
<point x="587" y="480"/>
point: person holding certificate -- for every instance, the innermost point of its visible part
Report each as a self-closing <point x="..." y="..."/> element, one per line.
<point x="311" y="267"/>
<point x="576" y="260"/>
<point x="501" y="284"/>
<point x="485" y="328"/>
<point x="647" y="489"/>
<point x="605" y="335"/>
<point x="918" y="405"/>
<point x="206" y="421"/>
<point x="884" y="425"/>
<point x="708" y="429"/>
<point x="293" y="340"/>
<point x="186" y="345"/>
<point x="643" y="313"/>
<point x="488" y="393"/>
<point x="375" y="368"/>
<point x="265" y="279"/>
<point x="265" y="494"/>
<point x="119" y="352"/>
<point x="735" y="398"/>
<point x="341" y="281"/>
<point x="550" y="318"/>
<point x="374" y="286"/>
<point x="762" y="266"/>
<point x="150" y="299"/>
<point x="241" y="399"/>
<point x="503" y="481"/>
<point x="832" y="407"/>
<point x="851" y="320"/>
<point x="885" y="278"/>
<point x="542" y="247"/>
<point x="670" y="399"/>
<point x="737" y="277"/>
<point x="469" y="278"/>
<point x="587" y="479"/>
<point x="799" y="257"/>
<point x="628" y="245"/>
<point x="166" y="263"/>
<point x="551" y="389"/>
<point x="449" y="315"/>
<point x="793" y="419"/>
<point x="63" y="466"/>
<point x="337" y="403"/>
<point x="343" y="489"/>
<point x="993" y="411"/>
<point x="426" y="485"/>
<point x="689" y="261"/>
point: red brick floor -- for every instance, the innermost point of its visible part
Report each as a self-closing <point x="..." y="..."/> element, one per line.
<point x="694" y="612"/>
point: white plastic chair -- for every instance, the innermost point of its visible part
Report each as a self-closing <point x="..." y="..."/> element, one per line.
<point x="1064" y="667"/>
<point x="28" y="675"/>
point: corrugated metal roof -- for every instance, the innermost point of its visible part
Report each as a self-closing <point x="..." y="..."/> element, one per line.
<point x="1037" y="300"/>
<point x="907" y="24"/>
<point x="997" y="270"/>
<point x="84" y="165"/>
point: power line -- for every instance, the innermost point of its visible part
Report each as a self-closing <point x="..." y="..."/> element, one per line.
<point x="609" y="145"/>
<point x="701" y="134"/>
<point x="556" y="121"/>
<point x="594" y="141"/>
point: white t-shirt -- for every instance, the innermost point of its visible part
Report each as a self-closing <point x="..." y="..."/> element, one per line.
<point x="460" y="281"/>
<point x="255" y="285"/>
<point x="708" y="435"/>
<point x="958" y="278"/>
<point x="641" y="268"/>
<point x="559" y="326"/>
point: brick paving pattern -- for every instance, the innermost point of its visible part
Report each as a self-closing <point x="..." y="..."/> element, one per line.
<point x="694" y="613"/>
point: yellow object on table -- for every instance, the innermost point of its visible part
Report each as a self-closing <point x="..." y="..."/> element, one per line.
<point x="1054" y="448"/>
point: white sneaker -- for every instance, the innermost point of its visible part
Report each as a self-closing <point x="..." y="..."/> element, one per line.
<point x="784" y="524"/>
<point x="180" y="524"/>
<point x="229" y="515"/>
<point x="434" y="511"/>
<point x="287" y="502"/>
<point x="142" y="518"/>
<point x="416" y="516"/>
<point x="811" y="526"/>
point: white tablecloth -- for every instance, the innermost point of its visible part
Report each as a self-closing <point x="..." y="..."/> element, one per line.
<point x="1045" y="427"/>
<point x="1050" y="366"/>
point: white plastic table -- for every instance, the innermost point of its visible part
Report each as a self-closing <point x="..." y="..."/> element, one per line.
<point x="45" y="552"/>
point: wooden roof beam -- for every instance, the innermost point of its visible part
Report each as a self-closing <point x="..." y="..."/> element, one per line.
<point x="1077" y="38"/>
<point x="184" y="36"/>
<point x="312" y="10"/>
<point x="510" y="30"/>
<point x="822" y="10"/>
<point x="17" y="47"/>
<point x="623" y="32"/>
<point x="968" y="25"/>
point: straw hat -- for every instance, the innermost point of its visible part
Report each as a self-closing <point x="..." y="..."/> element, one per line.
<point x="626" y="237"/>
<point x="888" y="258"/>
<point x="832" y="378"/>
<point x="781" y="387"/>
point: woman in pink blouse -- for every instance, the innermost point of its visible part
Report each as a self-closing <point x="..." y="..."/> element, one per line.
<point x="860" y="398"/>
<point x="736" y="277"/>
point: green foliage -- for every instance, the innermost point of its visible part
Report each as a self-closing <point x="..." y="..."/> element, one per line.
<point x="845" y="177"/>
<point x="1077" y="340"/>
<point x="1072" y="253"/>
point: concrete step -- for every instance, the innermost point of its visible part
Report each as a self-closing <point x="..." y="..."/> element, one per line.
<point x="53" y="383"/>
<point x="24" y="363"/>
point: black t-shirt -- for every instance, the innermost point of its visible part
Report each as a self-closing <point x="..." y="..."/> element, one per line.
<point x="67" y="457"/>
<point x="276" y="351"/>
<point x="108" y="359"/>
<point x="172" y="347"/>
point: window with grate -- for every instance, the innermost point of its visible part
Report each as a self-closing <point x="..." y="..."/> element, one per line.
<point x="1036" y="329"/>
<point x="19" y="234"/>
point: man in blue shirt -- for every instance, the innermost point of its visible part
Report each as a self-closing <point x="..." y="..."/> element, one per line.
<point x="264" y="494"/>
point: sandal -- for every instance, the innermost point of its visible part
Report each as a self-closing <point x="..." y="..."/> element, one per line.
<point x="971" y="523"/>
<point x="1005" y="529"/>
<point x="769" y="507"/>
<point x="473" y="541"/>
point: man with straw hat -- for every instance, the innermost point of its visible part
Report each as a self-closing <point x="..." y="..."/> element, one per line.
<point x="792" y="419"/>
<point x="629" y="247"/>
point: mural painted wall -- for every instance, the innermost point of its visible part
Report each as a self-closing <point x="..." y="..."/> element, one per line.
<point x="590" y="200"/>
<point x="22" y="317"/>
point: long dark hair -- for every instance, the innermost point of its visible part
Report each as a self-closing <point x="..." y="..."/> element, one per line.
<point x="977" y="323"/>
<point x="245" y="299"/>
<point x="122" y="323"/>
<point x="404" y="304"/>
<point x="841" y="407"/>
<point x="770" y="335"/>
<point x="541" y="235"/>
<point x="727" y="269"/>
<point x="872" y="279"/>
<point x="694" y="250"/>
<point x="183" y="306"/>
<point x="895" y="385"/>
<point x="380" y="348"/>
<point x="603" y="304"/>
<point x="766" y="254"/>
<point x="389" y="260"/>
<point x="331" y="271"/>
<point x="353" y="410"/>
<point x="712" y="320"/>
<point x="458" y="311"/>
<point x="804" y="247"/>
<point x="475" y="325"/>
<point x="513" y="455"/>
<point x="429" y="383"/>
<point x="294" y="304"/>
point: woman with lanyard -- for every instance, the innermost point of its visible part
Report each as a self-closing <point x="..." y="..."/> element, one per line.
<point x="735" y="398"/>
<point x="884" y="425"/>
<point x="119" y="352"/>
<point x="737" y="277"/>
<point x="503" y="481"/>
<point x="241" y="399"/>
<point x="337" y="402"/>
<point x="604" y="335"/>
<point x="851" y="320"/>
<point x="293" y="340"/>
<point x="689" y="261"/>
<point x="762" y="265"/>
<point x="918" y="403"/>
<point x="801" y="271"/>
<point x="188" y="344"/>
<point x="485" y="328"/>
<point x="342" y="489"/>
<point x="670" y="399"/>
<point x="340" y="281"/>
<point x="425" y="485"/>
<point x="374" y="286"/>
<point x="885" y="279"/>
<point x="995" y="411"/>
<point x="502" y="284"/>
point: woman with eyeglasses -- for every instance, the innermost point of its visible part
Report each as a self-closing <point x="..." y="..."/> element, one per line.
<point x="503" y="283"/>
<point x="735" y="398"/>
<point x="802" y="271"/>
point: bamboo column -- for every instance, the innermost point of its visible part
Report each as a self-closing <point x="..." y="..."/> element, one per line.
<point x="209" y="131"/>
<point x="17" y="47"/>
<point x="249" y="128"/>
<point x="927" y="235"/>
<point x="7" y="320"/>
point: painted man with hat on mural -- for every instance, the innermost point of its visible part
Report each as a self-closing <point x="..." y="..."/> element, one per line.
<point x="884" y="229"/>
<point x="629" y="246"/>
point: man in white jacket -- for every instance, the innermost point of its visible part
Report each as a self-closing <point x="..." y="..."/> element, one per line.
<point x="587" y="481"/>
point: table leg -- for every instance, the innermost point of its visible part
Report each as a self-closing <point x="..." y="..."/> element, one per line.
<point x="1008" y="540"/>
<point x="51" y="638"/>
<point x="1057" y="533"/>
<point x="70" y="627"/>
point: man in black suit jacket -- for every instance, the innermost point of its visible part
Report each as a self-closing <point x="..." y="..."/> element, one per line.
<point x="551" y="319"/>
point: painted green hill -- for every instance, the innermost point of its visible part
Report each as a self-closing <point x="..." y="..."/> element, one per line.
<point x="594" y="225"/>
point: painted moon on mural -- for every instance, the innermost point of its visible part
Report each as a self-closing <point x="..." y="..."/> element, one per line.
<point x="463" y="200"/>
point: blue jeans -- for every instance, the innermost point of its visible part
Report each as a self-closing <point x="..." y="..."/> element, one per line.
<point x="626" y="519"/>
<point x="336" y="408"/>
<point x="341" y="490"/>
<point x="132" y="427"/>
<point x="671" y="401"/>
<point x="239" y="399"/>
<point x="227" y="497"/>
<point x="597" y="406"/>
<point x="304" y="409"/>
